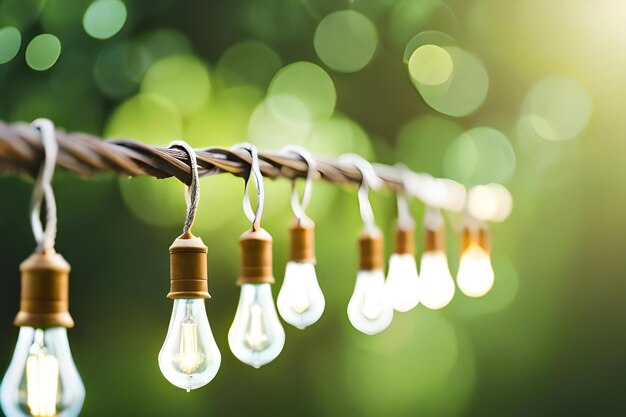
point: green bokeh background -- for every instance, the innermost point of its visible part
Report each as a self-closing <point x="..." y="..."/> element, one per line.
<point x="548" y="340"/>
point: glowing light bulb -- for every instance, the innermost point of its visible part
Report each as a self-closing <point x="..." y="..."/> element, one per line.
<point x="369" y="309"/>
<point x="475" y="276"/>
<point x="402" y="282"/>
<point x="189" y="358"/>
<point x="436" y="286"/>
<point x="300" y="300"/>
<point x="42" y="379"/>
<point x="256" y="336"/>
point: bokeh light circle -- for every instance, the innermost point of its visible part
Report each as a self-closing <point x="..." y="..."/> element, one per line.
<point x="345" y="40"/>
<point x="43" y="51"/>
<point x="104" y="18"/>
<point x="430" y="65"/>
<point x="10" y="41"/>
<point x="422" y="143"/>
<point x="557" y="108"/>
<point x="279" y="120"/>
<point x="310" y="84"/>
<point x="479" y="156"/>
<point x="183" y="79"/>
<point x="223" y="121"/>
<point x="252" y="63"/>
<point x="149" y="118"/>
<point x="427" y="37"/>
<point x="464" y="91"/>
<point x="117" y="66"/>
<point x="491" y="202"/>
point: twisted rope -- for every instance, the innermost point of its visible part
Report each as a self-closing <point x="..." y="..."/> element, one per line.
<point x="21" y="151"/>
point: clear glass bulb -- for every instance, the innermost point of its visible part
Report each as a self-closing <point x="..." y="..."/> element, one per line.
<point x="189" y="358"/>
<point x="475" y="277"/>
<point x="436" y="286"/>
<point x="300" y="300"/>
<point x="369" y="309"/>
<point x="42" y="379"/>
<point x="256" y="336"/>
<point x="402" y="282"/>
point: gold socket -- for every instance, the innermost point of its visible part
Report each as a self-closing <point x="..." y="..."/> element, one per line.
<point x="434" y="240"/>
<point x="302" y="242"/>
<point x="188" y="268"/>
<point x="45" y="288"/>
<point x="371" y="251"/>
<point x="405" y="241"/>
<point x="256" y="258"/>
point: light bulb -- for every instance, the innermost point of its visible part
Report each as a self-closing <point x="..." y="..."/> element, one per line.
<point x="256" y="336"/>
<point x="436" y="286"/>
<point x="189" y="358"/>
<point x="475" y="276"/>
<point x="300" y="300"/>
<point x="42" y="379"/>
<point x="369" y="309"/>
<point x="402" y="282"/>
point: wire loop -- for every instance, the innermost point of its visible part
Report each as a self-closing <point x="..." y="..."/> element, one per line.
<point x="299" y="205"/>
<point x="405" y="219"/>
<point x="255" y="171"/>
<point x="370" y="180"/>
<point x="192" y="191"/>
<point x="45" y="237"/>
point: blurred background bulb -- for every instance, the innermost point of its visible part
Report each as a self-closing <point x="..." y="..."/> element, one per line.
<point x="370" y="310"/>
<point x="189" y="358"/>
<point x="256" y="336"/>
<point x="42" y="379"/>
<point x="436" y="286"/>
<point x="300" y="300"/>
<point x="402" y="282"/>
<point x="475" y="276"/>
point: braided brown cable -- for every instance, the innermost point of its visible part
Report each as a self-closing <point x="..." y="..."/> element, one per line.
<point x="21" y="151"/>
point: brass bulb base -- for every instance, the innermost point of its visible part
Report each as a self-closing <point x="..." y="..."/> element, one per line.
<point x="302" y="242"/>
<point x="256" y="258"/>
<point x="371" y="251"/>
<point x="45" y="291"/>
<point x="435" y="240"/>
<point x="405" y="241"/>
<point x="188" y="268"/>
<point x="478" y="237"/>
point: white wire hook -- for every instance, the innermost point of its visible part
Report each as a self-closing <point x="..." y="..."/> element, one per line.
<point x="405" y="220"/>
<point x="299" y="205"/>
<point x="370" y="180"/>
<point x="192" y="192"/>
<point x="45" y="237"/>
<point x="255" y="171"/>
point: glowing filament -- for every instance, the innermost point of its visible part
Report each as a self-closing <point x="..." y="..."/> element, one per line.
<point x="371" y="306"/>
<point x="189" y="357"/>
<point x="42" y="379"/>
<point x="255" y="337"/>
<point x="299" y="298"/>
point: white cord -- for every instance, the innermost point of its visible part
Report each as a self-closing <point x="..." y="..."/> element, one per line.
<point x="45" y="237"/>
<point x="370" y="180"/>
<point x="299" y="205"/>
<point x="255" y="171"/>
<point x="192" y="192"/>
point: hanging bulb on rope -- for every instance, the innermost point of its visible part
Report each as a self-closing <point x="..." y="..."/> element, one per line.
<point x="402" y="279"/>
<point x="300" y="300"/>
<point x="369" y="309"/>
<point x="189" y="358"/>
<point x="436" y="286"/>
<point x="475" y="276"/>
<point x="42" y="379"/>
<point x="256" y="336"/>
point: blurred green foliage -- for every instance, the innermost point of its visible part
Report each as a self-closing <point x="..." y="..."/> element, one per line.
<point x="533" y="100"/>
